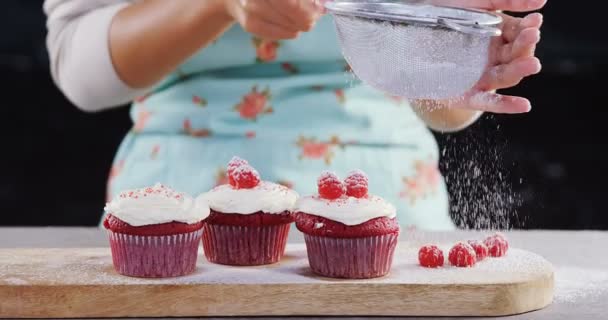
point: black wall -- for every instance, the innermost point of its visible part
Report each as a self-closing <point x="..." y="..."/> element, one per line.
<point x="55" y="159"/>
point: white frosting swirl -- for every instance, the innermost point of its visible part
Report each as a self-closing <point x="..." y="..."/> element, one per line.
<point x="266" y="197"/>
<point x="156" y="205"/>
<point x="347" y="210"/>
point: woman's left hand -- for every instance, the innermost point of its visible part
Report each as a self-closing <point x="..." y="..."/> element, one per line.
<point x="512" y="57"/>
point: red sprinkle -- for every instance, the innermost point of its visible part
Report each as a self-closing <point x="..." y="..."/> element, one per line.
<point x="430" y="256"/>
<point x="329" y="185"/>
<point x="462" y="255"/>
<point x="356" y="184"/>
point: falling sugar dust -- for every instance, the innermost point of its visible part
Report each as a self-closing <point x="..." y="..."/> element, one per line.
<point x="481" y="187"/>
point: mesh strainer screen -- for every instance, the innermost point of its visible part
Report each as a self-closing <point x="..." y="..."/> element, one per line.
<point x="412" y="61"/>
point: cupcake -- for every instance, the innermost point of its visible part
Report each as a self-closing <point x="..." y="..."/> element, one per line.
<point x="249" y="220"/>
<point x="348" y="232"/>
<point x="154" y="232"/>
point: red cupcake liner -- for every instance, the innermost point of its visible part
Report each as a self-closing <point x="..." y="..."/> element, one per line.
<point x="245" y="245"/>
<point x="155" y="256"/>
<point x="351" y="258"/>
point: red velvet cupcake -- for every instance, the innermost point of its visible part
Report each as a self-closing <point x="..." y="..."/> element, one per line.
<point x="250" y="218"/>
<point x="349" y="234"/>
<point x="154" y="232"/>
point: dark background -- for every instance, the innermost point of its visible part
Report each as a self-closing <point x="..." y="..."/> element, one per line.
<point x="55" y="159"/>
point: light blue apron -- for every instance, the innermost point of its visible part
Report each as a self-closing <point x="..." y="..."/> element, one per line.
<point x="289" y="108"/>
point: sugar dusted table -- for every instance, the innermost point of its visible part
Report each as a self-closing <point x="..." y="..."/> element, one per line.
<point x="581" y="265"/>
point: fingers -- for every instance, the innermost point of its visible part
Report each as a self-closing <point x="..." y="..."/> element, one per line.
<point x="525" y="43"/>
<point x="523" y="46"/>
<point x="496" y="103"/>
<point x="262" y="10"/>
<point x="302" y="13"/>
<point x="266" y="30"/>
<point x="509" y="75"/>
<point x="275" y="19"/>
<point x="494" y="5"/>
<point x="513" y="26"/>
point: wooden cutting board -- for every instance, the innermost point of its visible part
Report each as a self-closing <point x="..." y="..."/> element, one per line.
<point x="52" y="283"/>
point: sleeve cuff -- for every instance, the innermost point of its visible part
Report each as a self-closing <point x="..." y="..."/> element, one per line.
<point x="88" y="76"/>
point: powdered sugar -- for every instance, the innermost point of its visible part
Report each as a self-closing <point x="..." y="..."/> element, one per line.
<point x="244" y="177"/>
<point x="327" y="175"/>
<point x="484" y="99"/>
<point x="574" y="284"/>
<point x="481" y="187"/>
<point x="356" y="184"/>
<point x="94" y="267"/>
<point x="15" y="281"/>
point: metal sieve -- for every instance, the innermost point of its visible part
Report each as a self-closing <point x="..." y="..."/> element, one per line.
<point x="415" y="51"/>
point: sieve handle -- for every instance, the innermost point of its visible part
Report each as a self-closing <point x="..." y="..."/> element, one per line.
<point x="476" y="30"/>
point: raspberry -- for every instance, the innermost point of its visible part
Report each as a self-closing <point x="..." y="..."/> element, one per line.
<point x="430" y="256"/>
<point x="356" y="184"/>
<point x="245" y="177"/>
<point x="497" y="245"/>
<point x="234" y="163"/>
<point x="462" y="255"/>
<point x="481" y="250"/>
<point x="329" y="185"/>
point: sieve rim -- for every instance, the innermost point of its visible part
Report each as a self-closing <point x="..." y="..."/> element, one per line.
<point x="397" y="12"/>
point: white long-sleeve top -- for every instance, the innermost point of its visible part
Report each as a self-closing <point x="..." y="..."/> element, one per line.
<point x="78" y="45"/>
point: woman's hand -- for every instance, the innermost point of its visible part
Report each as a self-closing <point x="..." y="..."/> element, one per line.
<point x="512" y="58"/>
<point x="275" y="19"/>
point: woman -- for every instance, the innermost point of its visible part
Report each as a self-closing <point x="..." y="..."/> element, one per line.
<point x="264" y="79"/>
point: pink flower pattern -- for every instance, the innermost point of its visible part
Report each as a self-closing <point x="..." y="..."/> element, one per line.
<point x="155" y="151"/>
<point x="289" y="68"/>
<point x="311" y="148"/>
<point x="266" y="50"/>
<point x="115" y="171"/>
<point x="423" y="183"/>
<point x="197" y="133"/>
<point x="254" y="104"/>
<point x="199" y="101"/>
<point x="143" y="115"/>
<point x="340" y="95"/>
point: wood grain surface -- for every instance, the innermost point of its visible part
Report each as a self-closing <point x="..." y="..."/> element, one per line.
<point x="81" y="282"/>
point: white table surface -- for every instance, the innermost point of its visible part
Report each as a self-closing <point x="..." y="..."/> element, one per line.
<point x="580" y="259"/>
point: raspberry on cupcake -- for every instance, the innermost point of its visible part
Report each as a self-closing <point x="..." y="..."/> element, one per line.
<point x="349" y="233"/>
<point x="250" y="218"/>
<point x="154" y="232"/>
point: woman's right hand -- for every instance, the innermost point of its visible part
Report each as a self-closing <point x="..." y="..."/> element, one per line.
<point x="275" y="19"/>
